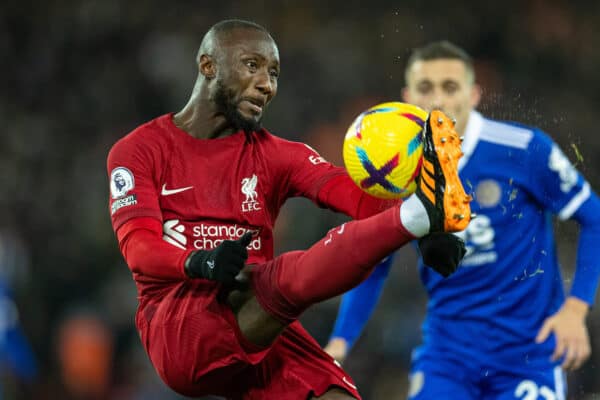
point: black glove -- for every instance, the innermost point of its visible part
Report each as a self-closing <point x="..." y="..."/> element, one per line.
<point x="442" y="251"/>
<point x="222" y="263"/>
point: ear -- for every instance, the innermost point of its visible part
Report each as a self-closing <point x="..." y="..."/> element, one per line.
<point x="206" y="66"/>
<point x="405" y="95"/>
<point x="475" y="95"/>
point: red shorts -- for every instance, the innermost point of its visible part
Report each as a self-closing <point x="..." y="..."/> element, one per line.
<point x="194" y="342"/>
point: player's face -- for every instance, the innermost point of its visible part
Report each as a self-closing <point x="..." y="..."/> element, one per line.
<point x="442" y="84"/>
<point x="247" y="80"/>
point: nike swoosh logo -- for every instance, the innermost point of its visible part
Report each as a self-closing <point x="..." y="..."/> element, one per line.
<point x="168" y="192"/>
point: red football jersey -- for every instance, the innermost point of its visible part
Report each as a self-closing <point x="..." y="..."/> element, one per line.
<point x="206" y="191"/>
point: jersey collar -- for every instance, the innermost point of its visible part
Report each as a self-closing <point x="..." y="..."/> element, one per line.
<point x="472" y="132"/>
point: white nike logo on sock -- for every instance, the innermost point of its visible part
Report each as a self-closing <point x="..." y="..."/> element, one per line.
<point x="168" y="192"/>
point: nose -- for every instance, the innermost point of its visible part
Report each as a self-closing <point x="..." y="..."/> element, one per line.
<point x="437" y="100"/>
<point x="264" y="83"/>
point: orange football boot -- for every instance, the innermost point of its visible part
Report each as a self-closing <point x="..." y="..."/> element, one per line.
<point x="439" y="187"/>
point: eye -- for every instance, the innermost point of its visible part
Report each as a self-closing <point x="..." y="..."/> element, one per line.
<point x="451" y="87"/>
<point x="274" y="73"/>
<point x="424" y="88"/>
<point x="252" y="65"/>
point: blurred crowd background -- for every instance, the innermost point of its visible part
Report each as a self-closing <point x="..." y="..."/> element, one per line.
<point x="78" y="75"/>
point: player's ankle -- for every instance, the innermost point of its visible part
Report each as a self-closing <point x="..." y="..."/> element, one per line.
<point x="414" y="217"/>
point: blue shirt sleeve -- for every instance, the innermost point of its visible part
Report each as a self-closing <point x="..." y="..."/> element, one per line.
<point x="358" y="304"/>
<point x="587" y="271"/>
<point x="558" y="185"/>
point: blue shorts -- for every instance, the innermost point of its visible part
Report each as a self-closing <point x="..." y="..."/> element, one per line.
<point x="441" y="376"/>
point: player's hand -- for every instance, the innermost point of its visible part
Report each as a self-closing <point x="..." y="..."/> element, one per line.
<point x="337" y="348"/>
<point x="221" y="264"/>
<point x="570" y="331"/>
<point x="442" y="251"/>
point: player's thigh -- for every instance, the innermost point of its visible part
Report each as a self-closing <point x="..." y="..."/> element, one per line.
<point x="256" y="324"/>
<point x="440" y="379"/>
<point x="547" y="384"/>
<point x="257" y="314"/>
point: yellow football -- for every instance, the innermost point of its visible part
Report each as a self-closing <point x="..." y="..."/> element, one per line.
<point x="383" y="149"/>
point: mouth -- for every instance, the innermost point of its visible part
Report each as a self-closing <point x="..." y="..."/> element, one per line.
<point x="254" y="104"/>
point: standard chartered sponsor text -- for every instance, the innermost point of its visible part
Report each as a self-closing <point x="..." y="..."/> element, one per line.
<point x="210" y="236"/>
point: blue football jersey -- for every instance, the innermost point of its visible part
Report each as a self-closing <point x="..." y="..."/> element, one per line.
<point x="509" y="280"/>
<point x="488" y="313"/>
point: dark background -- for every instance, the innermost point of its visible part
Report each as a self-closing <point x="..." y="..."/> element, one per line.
<point x="78" y="75"/>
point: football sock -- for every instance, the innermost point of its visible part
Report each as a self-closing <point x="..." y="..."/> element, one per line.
<point x="286" y="286"/>
<point x="413" y="216"/>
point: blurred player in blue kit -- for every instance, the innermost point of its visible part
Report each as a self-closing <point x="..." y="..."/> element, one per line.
<point x="16" y="354"/>
<point x="501" y="326"/>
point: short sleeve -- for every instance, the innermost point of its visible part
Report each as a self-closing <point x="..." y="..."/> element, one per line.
<point x="307" y="171"/>
<point x="132" y="173"/>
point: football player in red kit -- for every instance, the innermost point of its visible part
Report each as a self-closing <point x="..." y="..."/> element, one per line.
<point x="194" y="198"/>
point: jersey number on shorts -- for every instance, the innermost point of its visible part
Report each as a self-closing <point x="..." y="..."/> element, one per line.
<point x="529" y="390"/>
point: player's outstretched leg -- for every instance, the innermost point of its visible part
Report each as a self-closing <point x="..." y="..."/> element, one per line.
<point x="287" y="285"/>
<point x="346" y="256"/>
<point x="348" y="253"/>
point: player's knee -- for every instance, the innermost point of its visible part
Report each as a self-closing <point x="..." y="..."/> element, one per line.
<point x="291" y="290"/>
<point x="289" y="283"/>
<point x="279" y="289"/>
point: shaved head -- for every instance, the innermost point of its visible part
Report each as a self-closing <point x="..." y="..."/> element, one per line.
<point x="238" y="68"/>
<point x="221" y="30"/>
